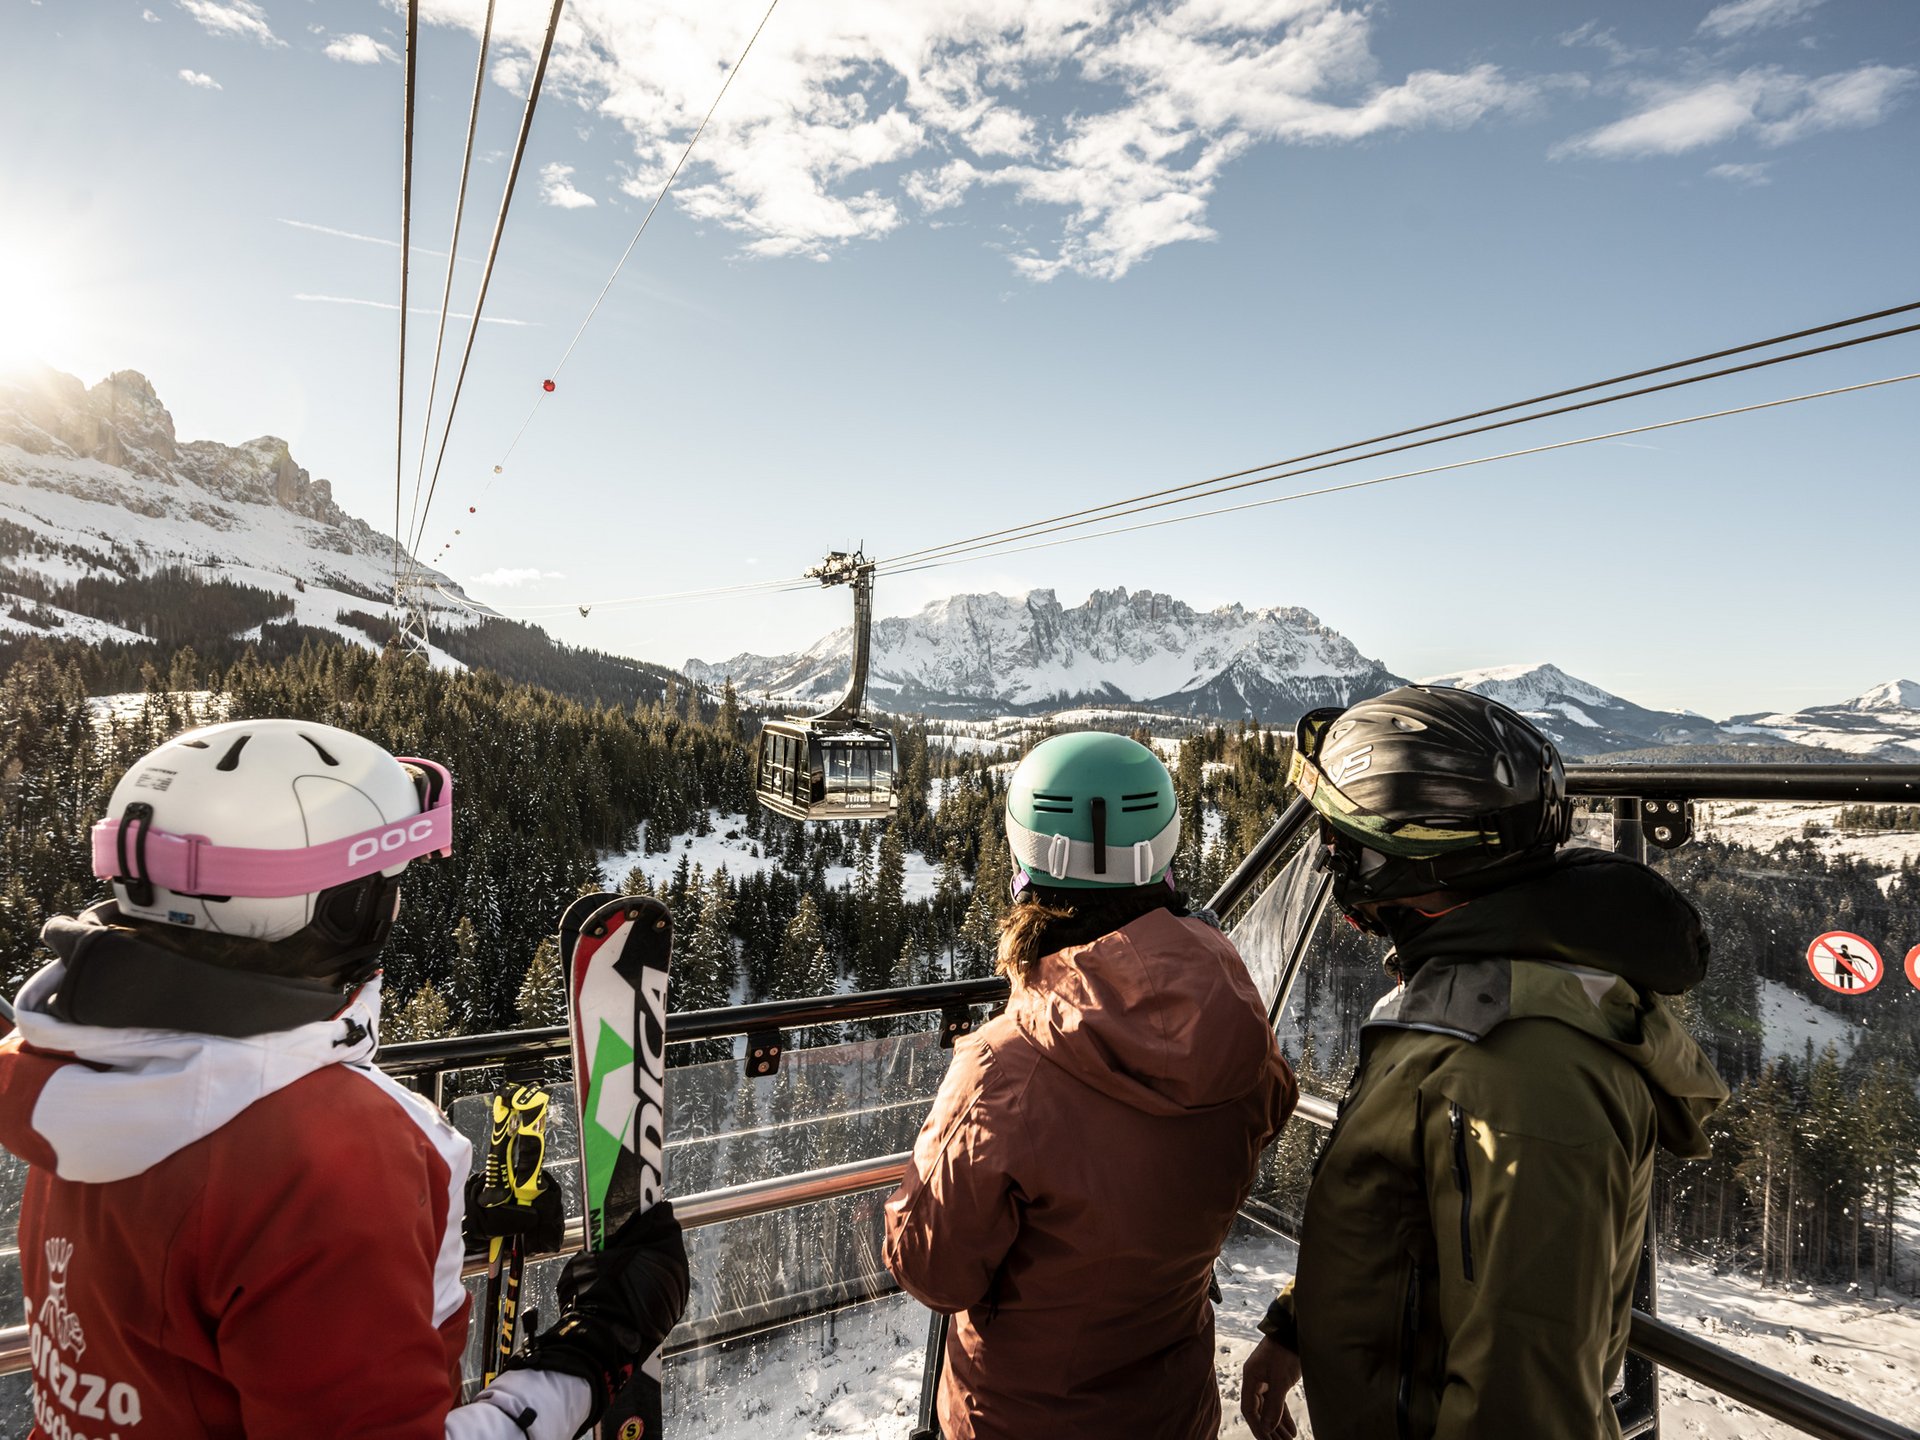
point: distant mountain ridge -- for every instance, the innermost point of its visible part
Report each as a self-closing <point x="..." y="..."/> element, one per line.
<point x="116" y="534"/>
<point x="97" y="490"/>
<point x="973" y="656"/>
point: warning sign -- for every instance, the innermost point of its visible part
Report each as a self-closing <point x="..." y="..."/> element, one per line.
<point x="1913" y="966"/>
<point x="1842" y="961"/>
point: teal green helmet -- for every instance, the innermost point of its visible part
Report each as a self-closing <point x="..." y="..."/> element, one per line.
<point x="1091" y="810"/>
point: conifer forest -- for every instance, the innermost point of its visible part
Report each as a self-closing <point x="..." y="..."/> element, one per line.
<point x="1813" y="1159"/>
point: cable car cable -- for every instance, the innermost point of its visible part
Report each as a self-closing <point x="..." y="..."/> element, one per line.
<point x="1019" y="531"/>
<point x="594" y="309"/>
<point x="493" y="254"/>
<point x="406" y="231"/>
<point x="1408" y="474"/>
<point x="620" y="264"/>
<point x="453" y="253"/>
<point x="1121" y="508"/>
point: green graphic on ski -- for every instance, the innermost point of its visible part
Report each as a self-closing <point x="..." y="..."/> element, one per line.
<point x="617" y="951"/>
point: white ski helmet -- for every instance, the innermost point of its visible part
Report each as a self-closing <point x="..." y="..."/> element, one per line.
<point x="266" y="828"/>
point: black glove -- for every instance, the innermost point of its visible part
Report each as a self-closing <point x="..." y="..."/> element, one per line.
<point x="616" y="1306"/>
<point x="543" y="1224"/>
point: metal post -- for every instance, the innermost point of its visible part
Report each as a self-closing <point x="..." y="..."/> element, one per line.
<point x="929" y="1428"/>
<point x="1639" y="1407"/>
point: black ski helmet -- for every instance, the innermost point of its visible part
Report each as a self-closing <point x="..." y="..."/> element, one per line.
<point x="1428" y="788"/>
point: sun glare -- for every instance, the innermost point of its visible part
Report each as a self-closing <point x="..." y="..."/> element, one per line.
<point x="32" y="312"/>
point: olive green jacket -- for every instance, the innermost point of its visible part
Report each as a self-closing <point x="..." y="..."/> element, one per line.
<point x="1474" y="1227"/>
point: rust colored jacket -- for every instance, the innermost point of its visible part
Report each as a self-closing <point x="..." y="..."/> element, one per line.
<point x="1071" y="1188"/>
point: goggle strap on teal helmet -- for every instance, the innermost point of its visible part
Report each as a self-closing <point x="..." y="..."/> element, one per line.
<point x="1063" y="858"/>
<point x="1092" y="809"/>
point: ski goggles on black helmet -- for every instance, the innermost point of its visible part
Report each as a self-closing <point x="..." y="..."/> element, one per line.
<point x="1408" y="839"/>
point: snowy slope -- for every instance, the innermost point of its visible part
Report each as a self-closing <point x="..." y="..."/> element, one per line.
<point x="729" y="846"/>
<point x="856" y="1375"/>
<point x="978" y="655"/>
<point x="1882" y="723"/>
<point x="95" y="484"/>
<point x="1581" y="717"/>
<point x="1761" y="827"/>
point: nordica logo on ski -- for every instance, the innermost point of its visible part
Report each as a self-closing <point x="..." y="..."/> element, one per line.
<point x="68" y="1403"/>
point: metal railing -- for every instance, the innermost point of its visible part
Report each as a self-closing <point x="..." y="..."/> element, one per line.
<point x="1779" y="1396"/>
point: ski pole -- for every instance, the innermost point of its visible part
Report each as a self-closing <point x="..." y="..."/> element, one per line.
<point x="524" y="1152"/>
<point x="493" y="1192"/>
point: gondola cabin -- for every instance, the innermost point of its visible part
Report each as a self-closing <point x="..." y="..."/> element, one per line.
<point x="826" y="770"/>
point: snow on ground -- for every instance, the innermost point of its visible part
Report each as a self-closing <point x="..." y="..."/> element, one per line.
<point x="72" y="626"/>
<point x="1863" y="1350"/>
<point x="854" y="1374"/>
<point x="857" y="1374"/>
<point x="1791" y="1019"/>
<point x="1860" y="1349"/>
<point x="1764" y="826"/>
<point x="729" y="845"/>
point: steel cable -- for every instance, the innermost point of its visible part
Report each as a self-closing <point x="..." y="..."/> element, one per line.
<point x="453" y="253"/>
<point x="1097" y="511"/>
<point x="493" y="254"/>
<point x="1120" y="508"/>
<point x="1407" y="474"/>
<point x="406" y="231"/>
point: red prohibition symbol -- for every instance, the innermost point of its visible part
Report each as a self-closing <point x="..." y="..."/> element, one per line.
<point x="1844" y="962"/>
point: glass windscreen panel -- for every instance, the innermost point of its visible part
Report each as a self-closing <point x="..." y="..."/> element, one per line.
<point x="1797" y="1244"/>
<point x="838" y="1096"/>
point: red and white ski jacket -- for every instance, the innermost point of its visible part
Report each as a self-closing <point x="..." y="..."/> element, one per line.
<point x="251" y="1238"/>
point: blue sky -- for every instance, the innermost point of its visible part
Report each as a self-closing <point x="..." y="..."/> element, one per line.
<point x="950" y="265"/>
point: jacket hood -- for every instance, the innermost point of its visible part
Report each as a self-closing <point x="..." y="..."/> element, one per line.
<point x="1584" y="944"/>
<point x="1160" y="1015"/>
<point x="1590" y="908"/>
<point x="113" y="1102"/>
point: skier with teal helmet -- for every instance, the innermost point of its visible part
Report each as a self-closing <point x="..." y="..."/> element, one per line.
<point x="1089" y="1148"/>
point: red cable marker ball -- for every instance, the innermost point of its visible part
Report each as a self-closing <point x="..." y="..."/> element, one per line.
<point x="1913" y="966"/>
<point x="547" y="385"/>
<point x="1844" y="962"/>
<point x="470" y="510"/>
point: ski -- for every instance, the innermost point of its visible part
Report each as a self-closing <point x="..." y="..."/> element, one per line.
<point x="617" y="950"/>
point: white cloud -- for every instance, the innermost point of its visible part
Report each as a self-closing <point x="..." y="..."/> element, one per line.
<point x="1593" y="36"/>
<point x="199" y="81"/>
<point x="149" y="17"/>
<point x="358" y="50"/>
<point x="1742" y="17"/>
<point x="233" y="17"/>
<point x="1771" y="104"/>
<point x="850" y="118"/>
<point x="1755" y="174"/>
<point x="512" y="579"/>
<point x="557" y="188"/>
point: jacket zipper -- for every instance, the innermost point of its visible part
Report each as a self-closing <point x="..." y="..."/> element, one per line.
<point x="1410" y="1327"/>
<point x="1465" y="1182"/>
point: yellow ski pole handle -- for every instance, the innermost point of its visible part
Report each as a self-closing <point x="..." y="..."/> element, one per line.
<point x="523" y="1120"/>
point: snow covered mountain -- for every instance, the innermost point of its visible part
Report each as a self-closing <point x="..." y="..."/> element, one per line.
<point x="96" y="486"/>
<point x="1581" y="717"/>
<point x="1882" y="723"/>
<point x="981" y="655"/>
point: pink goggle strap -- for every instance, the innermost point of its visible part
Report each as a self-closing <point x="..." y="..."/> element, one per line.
<point x="194" y="865"/>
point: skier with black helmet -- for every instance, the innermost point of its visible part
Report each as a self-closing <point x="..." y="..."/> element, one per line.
<point x="1090" y="1147"/>
<point x="1474" y="1225"/>
<point x="233" y="1224"/>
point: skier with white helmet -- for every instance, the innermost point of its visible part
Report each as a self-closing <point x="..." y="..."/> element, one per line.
<point x="1089" y="1148"/>
<point x="233" y="1224"/>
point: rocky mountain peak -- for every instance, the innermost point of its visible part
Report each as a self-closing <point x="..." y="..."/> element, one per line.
<point x="121" y="422"/>
<point x="1890" y="695"/>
